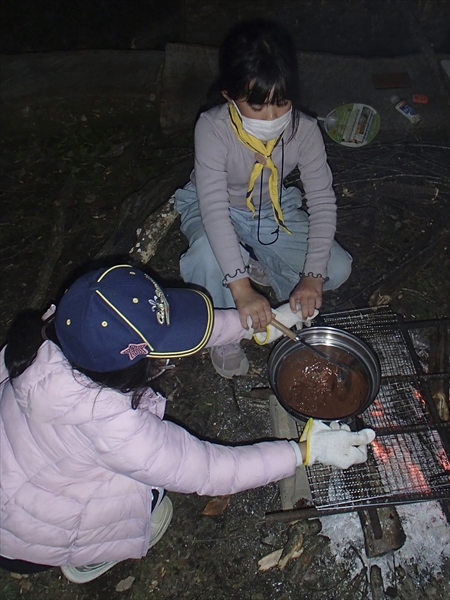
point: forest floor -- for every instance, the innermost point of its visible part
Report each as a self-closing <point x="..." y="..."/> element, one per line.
<point x="65" y="171"/>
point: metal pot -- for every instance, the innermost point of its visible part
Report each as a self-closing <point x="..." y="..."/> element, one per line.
<point x="351" y="350"/>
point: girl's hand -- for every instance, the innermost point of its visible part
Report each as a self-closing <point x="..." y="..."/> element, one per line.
<point x="307" y="293"/>
<point x="334" y="444"/>
<point x="250" y="303"/>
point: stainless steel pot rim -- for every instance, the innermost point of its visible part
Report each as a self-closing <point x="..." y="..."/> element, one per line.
<point x="331" y="336"/>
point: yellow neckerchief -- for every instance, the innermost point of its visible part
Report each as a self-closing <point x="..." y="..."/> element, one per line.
<point x="263" y="156"/>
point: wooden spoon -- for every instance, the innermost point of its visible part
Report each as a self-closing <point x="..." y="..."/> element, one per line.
<point x="294" y="336"/>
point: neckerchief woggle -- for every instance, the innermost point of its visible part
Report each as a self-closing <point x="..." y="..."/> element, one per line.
<point x="263" y="155"/>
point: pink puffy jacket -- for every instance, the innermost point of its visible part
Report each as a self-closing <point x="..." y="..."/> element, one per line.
<point x="77" y="465"/>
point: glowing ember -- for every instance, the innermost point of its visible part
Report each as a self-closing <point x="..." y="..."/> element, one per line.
<point x="376" y="410"/>
<point x="443" y="459"/>
<point x="417" y="477"/>
<point x="418" y="396"/>
<point x="382" y="453"/>
<point x="397" y="458"/>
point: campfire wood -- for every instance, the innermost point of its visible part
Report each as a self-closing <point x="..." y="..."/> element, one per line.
<point x="383" y="531"/>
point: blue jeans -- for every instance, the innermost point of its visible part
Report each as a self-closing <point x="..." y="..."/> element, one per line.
<point x="282" y="261"/>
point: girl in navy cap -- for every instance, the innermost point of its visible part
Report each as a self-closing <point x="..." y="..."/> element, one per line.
<point x="86" y="455"/>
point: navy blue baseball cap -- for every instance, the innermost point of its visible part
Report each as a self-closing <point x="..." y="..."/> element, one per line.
<point x="110" y="318"/>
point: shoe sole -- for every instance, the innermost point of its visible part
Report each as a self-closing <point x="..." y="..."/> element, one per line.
<point x="243" y="370"/>
<point x="75" y="576"/>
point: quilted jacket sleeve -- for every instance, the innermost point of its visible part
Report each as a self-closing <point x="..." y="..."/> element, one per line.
<point x="227" y="328"/>
<point x="160" y="453"/>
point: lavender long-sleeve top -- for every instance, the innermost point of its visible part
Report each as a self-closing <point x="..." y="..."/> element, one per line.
<point x="222" y="170"/>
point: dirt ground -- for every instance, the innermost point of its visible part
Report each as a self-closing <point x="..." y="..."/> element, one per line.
<point x="65" y="170"/>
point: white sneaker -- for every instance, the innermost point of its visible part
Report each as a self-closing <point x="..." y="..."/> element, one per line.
<point x="256" y="273"/>
<point x="229" y="360"/>
<point x="86" y="573"/>
<point x="160" y="520"/>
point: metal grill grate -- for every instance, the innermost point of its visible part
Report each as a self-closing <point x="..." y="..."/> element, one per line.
<point x="410" y="459"/>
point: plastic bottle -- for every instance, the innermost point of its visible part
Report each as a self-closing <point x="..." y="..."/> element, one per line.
<point x="405" y="109"/>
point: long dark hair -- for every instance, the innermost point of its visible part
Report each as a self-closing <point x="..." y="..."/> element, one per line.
<point x="256" y="59"/>
<point x="26" y="335"/>
<point x="260" y="53"/>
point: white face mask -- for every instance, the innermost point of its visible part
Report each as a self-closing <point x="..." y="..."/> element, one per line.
<point x="265" y="130"/>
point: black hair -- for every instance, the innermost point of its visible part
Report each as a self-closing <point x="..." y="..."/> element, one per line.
<point x="258" y="61"/>
<point x="26" y="335"/>
<point x="23" y="341"/>
<point x="255" y="58"/>
<point x="135" y="379"/>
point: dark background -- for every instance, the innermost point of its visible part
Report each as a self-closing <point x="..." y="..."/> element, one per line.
<point x="350" y="27"/>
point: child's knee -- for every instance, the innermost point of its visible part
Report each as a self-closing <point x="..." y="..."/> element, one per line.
<point x="339" y="269"/>
<point x="199" y="256"/>
<point x="185" y="198"/>
<point x="200" y="247"/>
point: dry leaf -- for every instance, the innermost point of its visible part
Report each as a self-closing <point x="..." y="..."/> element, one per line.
<point x="125" y="584"/>
<point x="216" y="506"/>
<point x="270" y="560"/>
<point x="25" y="584"/>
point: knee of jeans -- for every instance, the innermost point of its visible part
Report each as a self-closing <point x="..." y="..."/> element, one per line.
<point x="184" y="197"/>
<point x="200" y="246"/>
<point x="199" y="255"/>
<point x="339" y="272"/>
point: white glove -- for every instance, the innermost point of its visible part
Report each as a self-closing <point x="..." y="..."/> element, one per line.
<point x="285" y="315"/>
<point x="335" y="445"/>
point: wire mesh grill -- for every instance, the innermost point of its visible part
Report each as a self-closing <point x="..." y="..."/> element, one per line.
<point x="409" y="461"/>
<point x="402" y="467"/>
<point x="399" y="404"/>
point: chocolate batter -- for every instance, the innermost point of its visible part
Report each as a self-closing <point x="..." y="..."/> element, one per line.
<point x="309" y="384"/>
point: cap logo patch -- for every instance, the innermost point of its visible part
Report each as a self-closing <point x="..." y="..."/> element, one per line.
<point x="160" y="306"/>
<point x="134" y="350"/>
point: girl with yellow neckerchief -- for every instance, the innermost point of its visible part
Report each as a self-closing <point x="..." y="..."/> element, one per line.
<point x="242" y="223"/>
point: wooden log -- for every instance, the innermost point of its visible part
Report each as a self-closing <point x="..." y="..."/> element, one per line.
<point x="138" y="205"/>
<point x="383" y="531"/>
<point x="295" y="488"/>
<point x="152" y="231"/>
<point x="376" y="583"/>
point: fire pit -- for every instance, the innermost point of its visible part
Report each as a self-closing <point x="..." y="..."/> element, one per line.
<point x="410" y="458"/>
